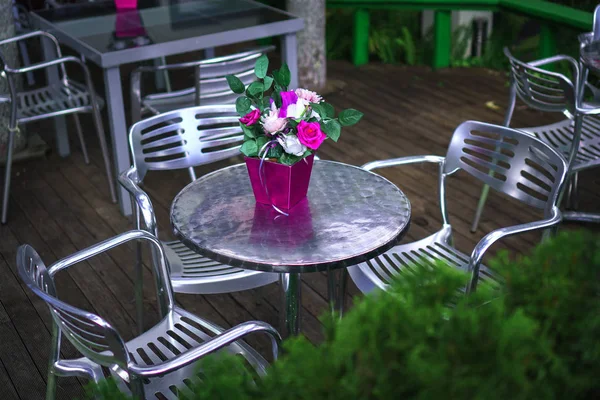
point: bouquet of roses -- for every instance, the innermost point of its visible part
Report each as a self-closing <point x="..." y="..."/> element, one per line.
<point x="284" y="125"/>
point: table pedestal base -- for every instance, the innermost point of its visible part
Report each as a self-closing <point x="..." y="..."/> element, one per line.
<point x="336" y="290"/>
<point x="291" y="300"/>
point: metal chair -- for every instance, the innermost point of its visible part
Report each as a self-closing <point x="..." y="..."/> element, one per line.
<point x="524" y="168"/>
<point x="210" y="85"/>
<point x="185" y="139"/>
<point x="60" y="98"/>
<point x="156" y="364"/>
<point x="576" y="138"/>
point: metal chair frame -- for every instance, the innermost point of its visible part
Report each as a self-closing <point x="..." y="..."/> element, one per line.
<point x="576" y="138"/>
<point x="56" y="99"/>
<point x="156" y="361"/>
<point x="185" y="139"/>
<point x="525" y="168"/>
<point x="210" y="85"/>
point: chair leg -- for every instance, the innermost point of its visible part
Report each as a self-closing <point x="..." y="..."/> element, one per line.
<point x="574" y="195"/>
<point x="9" y="156"/>
<point x="139" y="288"/>
<point x="81" y="139"/>
<point x="51" y="386"/>
<point x="137" y="387"/>
<point x="336" y="290"/>
<point x="192" y="173"/>
<point x="482" y="199"/>
<point x="105" y="155"/>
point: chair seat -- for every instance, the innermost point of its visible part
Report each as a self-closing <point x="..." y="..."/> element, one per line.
<point x="194" y="273"/>
<point x="172" y="336"/>
<point x="560" y="135"/>
<point x="379" y="272"/>
<point x="48" y="101"/>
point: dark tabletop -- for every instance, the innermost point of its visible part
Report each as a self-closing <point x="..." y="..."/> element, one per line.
<point x="96" y="24"/>
<point x="350" y="215"/>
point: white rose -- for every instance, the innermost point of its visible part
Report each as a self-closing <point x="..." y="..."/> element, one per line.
<point x="271" y="123"/>
<point x="292" y="145"/>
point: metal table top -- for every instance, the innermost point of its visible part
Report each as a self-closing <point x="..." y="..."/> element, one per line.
<point x="350" y="215"/>
<point x="93" y="29"/>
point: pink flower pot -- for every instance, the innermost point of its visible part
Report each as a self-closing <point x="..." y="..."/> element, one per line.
<point x="284" y="185"/>
<point x="128" y="24"/>
<point x="125" y="4"/>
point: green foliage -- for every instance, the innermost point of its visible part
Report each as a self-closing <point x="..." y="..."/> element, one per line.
<point x="256" y="99"/>
<point x="391" y="38"/>
<point x="536" y="338"/>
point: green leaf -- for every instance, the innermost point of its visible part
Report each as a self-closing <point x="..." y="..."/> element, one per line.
<point x="249" y="131"/>
<point x="275" y="152"/>
<point x="261" y="141"/>
<point x="268" y="81"/>
<point x="284" y="75"/>
<point x="249" y="148"/>
<point x="328" y="110"/>
<point x="261" y="66"/>
<point x="235" y="84"/>
<point x="289" y="159"/>
<point x="255" y="89"/>
<point x="318" y="109"/>
<point x="350" y="117"/>
<point x="242" y="105"/>
<point x="332" y="129"/>
<point x="276" y="77"/>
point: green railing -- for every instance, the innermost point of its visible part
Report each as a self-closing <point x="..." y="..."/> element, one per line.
<point x="548" y="13"/>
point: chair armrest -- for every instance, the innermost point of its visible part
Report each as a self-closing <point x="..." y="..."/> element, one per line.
<point x="402" y="161"/>
<point x="218" y="342"/>
<point x="488" y="240"/>
<point x="128" y="180"/>
<point x="554" y="59"/>
<point x="161" y="269"/>
<point x="47" y="64"/>
<point x="30" y="35"/>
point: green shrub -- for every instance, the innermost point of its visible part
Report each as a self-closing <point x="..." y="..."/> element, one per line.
<point x="536" y="338"/>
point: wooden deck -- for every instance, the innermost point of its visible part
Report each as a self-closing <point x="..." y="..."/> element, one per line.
<point x="61" y="205"/>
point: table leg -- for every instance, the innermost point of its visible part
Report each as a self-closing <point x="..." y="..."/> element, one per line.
<point x="52" y="76"/>
<point x="118" y="131"/>
<point x="289" y="50"/>
<point x="291" y="302"/>
<point x="336" y="289"/>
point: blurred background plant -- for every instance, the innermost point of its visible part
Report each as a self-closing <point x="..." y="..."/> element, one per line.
<point x="395" y="38"/>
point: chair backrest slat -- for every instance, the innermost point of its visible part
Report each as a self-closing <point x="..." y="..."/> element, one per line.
<point x="185" y="138"/>
<point x="509" y="161"/>
<point x="214" y="88"/>
<point x="541" y="89"/>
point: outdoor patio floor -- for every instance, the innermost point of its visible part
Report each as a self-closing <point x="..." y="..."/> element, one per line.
<point x="60" y="205"/>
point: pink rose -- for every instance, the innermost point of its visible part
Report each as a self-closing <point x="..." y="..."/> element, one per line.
<point x="251" y="117"/>
<point x="310" y="135"/>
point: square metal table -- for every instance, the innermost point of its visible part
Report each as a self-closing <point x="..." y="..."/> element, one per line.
<point x="172" y="27"/>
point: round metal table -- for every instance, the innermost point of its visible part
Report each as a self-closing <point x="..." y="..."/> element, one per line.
<point x="350" y="215"/>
